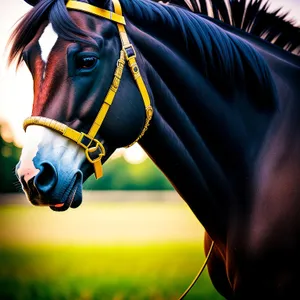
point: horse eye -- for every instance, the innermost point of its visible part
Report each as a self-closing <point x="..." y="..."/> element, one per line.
<point x="86" y="62"/>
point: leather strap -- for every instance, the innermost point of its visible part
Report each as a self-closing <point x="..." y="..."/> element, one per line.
<point x="109" y="97"/>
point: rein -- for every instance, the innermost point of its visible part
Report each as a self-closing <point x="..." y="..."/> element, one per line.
<point x="199" y="273"/>
<point x="94" y="149"/>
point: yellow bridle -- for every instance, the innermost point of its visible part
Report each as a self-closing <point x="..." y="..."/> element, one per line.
<point x="94" y="150"/>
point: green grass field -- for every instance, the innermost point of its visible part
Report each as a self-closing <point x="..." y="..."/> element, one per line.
<point x="102" y="250"/>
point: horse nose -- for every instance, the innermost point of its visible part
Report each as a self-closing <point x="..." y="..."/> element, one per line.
<point x="41" y="183"/>
<point x="37" y="186"/>
<point x="46" y="178"/>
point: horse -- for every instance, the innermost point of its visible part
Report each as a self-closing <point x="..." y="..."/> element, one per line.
<point x="214" y="107"/>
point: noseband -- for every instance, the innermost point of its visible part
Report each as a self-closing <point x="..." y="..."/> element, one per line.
<point x="94" y="149"/>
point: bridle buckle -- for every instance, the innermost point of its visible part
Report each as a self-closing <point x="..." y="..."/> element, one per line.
<point x="94" y="150"/>
<point x="129" y="51"/>
<point x="97" y="150"/>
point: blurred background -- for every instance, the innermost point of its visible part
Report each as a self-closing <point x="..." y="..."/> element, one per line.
<point x="132" y="238"/>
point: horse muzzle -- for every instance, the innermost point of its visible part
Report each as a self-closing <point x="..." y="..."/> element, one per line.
<point x="50" y="169"/>
<point x="48" y="188"/>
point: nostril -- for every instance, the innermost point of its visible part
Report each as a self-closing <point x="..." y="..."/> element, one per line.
<point x="46" y="179"/>
<point x="29" y="187"/>
<point x="23" y="181"/>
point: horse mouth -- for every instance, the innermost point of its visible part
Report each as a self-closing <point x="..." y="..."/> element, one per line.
<point x="72" y="197"/>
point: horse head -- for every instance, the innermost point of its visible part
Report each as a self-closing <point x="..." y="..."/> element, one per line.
<point x="89" y="96"/>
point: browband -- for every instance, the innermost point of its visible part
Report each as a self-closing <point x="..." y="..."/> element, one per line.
<point x="94" y="10"/>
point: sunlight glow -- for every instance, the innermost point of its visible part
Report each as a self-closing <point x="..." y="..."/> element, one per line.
<point x="135" y="154"/>
<point x="6" y="133"/>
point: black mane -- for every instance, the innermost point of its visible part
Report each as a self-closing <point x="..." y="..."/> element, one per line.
<point x="254" y="18"/>
<point x="203" y="40"/>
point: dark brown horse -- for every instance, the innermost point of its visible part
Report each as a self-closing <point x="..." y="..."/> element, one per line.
<point x="216" y="109"/>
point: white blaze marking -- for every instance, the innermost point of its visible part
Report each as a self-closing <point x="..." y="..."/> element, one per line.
<point x="33" y="138"/>
<point x="47" y="42"/>
<point x="52" y="147"/>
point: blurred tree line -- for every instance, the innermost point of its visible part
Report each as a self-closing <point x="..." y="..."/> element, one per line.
<point x="118" y="174"/>
<point x="9" y="156"/>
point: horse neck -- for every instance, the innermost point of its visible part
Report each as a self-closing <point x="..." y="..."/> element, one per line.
<point x="201" y="140"/>
<point x="173" y="140"/>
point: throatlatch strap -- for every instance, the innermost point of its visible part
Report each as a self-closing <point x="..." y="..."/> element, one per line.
<point x="131" y="59"/>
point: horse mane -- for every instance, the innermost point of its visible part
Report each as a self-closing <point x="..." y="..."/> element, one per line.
<point x="254" y="18"/>
<point x="223" y="58"/>
<point x="219" y="55"/>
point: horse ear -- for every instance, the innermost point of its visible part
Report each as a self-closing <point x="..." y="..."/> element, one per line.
<point x="32" y="2"/>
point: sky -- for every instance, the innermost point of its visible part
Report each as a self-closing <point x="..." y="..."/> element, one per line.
<point x="16" y="87"/>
